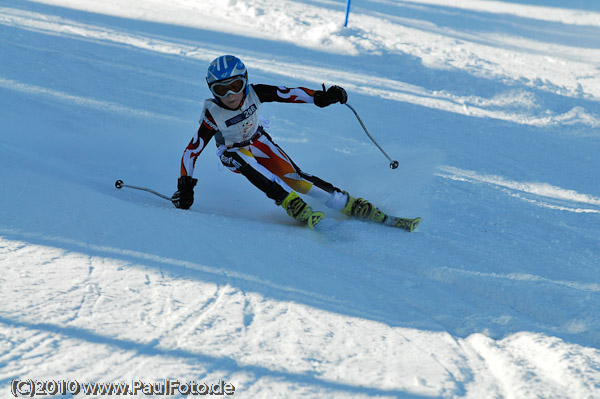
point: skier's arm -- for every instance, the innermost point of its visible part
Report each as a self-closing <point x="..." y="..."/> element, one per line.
<point x="183" y="198"/>
<point x="282" y="94"/>
<point x="205" y="132"/>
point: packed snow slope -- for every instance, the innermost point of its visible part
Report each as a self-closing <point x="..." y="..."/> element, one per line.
<point x="492" y="109"/>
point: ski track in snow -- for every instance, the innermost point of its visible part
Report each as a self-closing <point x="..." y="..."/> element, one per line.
<point x="520" y="189"/>
<point x="172" y="321"/>
<point x="495" y="296"/>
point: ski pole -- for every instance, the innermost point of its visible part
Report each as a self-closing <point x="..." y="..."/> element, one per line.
<point x="393" y="164"/>
<point x="119" y="184"/>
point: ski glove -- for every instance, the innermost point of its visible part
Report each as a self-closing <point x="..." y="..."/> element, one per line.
<point x="183" y="198"/>
<point x="334" y="94"/>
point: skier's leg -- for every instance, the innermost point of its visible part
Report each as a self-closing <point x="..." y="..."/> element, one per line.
<point x="271" y="156"/>
<point x="242" y="161"/>
<point x="277" y="161"/>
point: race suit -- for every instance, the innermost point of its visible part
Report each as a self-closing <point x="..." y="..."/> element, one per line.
<point x="244" y="146"/>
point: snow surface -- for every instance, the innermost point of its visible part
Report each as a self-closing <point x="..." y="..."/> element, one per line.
<point x="491" y="107"/>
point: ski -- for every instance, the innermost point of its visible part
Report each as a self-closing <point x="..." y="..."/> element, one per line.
<point x="403" y="223"/>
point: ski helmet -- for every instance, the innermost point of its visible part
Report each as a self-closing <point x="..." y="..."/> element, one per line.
<point x="225" y="67"/>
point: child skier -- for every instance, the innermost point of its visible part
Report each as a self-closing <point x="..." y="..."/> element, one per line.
<point x="243" y="145"/>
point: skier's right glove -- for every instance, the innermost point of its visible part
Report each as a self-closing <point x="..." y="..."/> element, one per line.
<point x="334" y="94"/>
<point x="183" y="198"/>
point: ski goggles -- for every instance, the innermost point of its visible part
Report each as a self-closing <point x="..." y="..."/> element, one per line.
<point x="223" y="88"/>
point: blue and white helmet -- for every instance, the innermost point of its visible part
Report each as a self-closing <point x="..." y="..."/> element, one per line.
<point x="225" y="67"/>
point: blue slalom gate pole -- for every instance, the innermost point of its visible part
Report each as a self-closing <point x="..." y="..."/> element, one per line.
<point x="347" y="13"/>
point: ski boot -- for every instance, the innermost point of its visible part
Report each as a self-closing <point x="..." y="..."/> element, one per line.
<point x="301" y="211"/>
<point x="362" y="209"/>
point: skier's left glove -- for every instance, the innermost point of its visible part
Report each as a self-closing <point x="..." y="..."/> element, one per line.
<point x="183" y="198"/>
<point x="335" y="94"/>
